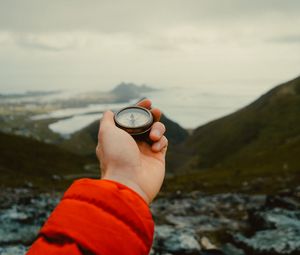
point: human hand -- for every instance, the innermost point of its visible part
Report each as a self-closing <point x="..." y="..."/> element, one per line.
<point x="138" y="165"/>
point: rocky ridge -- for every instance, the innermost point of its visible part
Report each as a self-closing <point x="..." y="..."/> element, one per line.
<point x="193" y="223"/>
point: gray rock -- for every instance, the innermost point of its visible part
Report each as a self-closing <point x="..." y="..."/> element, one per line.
<point x="272" y="242"/>
<point x="174" y="240"/>
<point x="200" y="223"/>
<point x="282" y="202"/>
<point x="279" y="233"/>
<point x="22" y="218"/>
<point x="13" y="250"/>
<point x="14" y="214"/>
<point x="18" y="234"/>
<point x="274" y="224"/>
<point x="274" y="219"/>
<point x="230" y="249"/>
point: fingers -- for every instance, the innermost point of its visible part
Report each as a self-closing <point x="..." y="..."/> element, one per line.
<point x="156" y="114"/>
<point x="157" y="136"/>
<point x="157" y="131"/>
<point x="160" y="145"/>
<point x="146" y="103"/>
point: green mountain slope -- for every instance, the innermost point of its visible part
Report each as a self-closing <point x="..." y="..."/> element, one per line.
<point x="259" y="143"/>
<point x="45" y="166"/>
<point x="84" y="141"/>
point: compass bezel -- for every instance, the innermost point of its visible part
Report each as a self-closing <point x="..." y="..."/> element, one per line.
<point x="138" y="130"/>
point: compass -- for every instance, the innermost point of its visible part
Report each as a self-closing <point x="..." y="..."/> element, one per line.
<point x="135" y="120"/>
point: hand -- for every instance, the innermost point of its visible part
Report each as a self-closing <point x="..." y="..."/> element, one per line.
<point x="137" y="165"/>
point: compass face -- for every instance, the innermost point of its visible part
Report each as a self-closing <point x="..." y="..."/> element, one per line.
<point x="134" y="119"/>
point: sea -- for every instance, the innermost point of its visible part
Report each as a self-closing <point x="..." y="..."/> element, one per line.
<point x="192" y="108"/>
<point x="189" y="107"/>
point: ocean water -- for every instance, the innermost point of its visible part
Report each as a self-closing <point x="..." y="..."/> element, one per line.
<point x="75" y="119"/>
<point x="190" y="108"/>
<point x="70" y="125"/>
<point x="193" y="108"/>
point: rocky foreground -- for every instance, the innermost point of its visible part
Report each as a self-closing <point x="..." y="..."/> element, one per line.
<point x="194" y="223"/>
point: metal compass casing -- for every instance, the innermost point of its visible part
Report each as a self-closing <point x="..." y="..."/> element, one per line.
<point x="135" y="120"/>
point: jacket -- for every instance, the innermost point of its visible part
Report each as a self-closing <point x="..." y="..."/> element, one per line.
<point x="97" y="217"/>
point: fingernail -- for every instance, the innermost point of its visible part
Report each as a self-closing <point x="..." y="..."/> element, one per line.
<point x="157" y="146"/>
<point x="156" y="133"/>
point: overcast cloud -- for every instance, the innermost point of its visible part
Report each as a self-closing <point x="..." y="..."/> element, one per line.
<point x="96" y="44"/>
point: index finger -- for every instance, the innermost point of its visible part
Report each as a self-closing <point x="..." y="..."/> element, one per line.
<point x="156" y="114"/>
<point x="146" y="103"/>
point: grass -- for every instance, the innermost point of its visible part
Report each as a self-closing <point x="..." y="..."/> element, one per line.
<point x="255" y="149"/>
<point x="220" y="180"/>
<point x="24" y="161"/>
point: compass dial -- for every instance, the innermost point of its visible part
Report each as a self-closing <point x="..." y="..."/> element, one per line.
<point x="134" y="119"/>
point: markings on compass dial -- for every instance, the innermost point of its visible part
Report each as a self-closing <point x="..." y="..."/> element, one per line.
<point x="133" y="118"/>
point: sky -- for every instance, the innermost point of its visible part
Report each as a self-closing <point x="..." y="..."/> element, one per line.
<point x="96" y="44"/>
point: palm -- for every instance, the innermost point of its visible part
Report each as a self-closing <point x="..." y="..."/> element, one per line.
<point x="135" y="164"/>
<point x="152" y="169"/>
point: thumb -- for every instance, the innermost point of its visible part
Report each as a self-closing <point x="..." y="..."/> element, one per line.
<point x="107" y="119"/>
<point x="106" y="123"/>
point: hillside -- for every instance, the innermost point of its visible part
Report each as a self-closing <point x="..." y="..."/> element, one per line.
<point x="25" y="161"/>
<point x="255" y="149"/>
<point x="257" y="146"/>
<point x="85" y="140"/>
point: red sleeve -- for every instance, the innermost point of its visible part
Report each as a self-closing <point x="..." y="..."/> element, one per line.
<point x="97" y="217"/>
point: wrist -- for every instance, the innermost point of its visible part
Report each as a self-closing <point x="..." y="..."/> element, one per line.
<point x="128" y="183"/>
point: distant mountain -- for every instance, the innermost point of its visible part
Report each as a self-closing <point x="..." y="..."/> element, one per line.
<point x="25" y="161"/>
<point x="259" y="143"/>
<point x="127" y="91"/>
